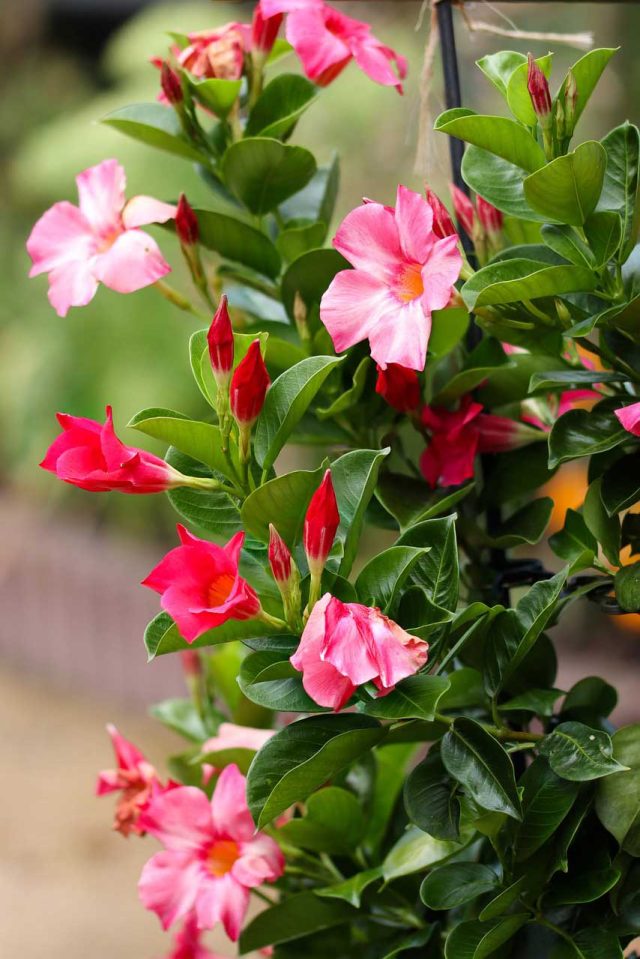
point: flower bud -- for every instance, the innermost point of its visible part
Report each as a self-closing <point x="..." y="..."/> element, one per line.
<point x="442" y="222"/>
<point x="320" y="525"/>
<point x="264" y="30"/>
<point x="490" y="218"/>
<point x="221" y="346"/>
<point x="171" y="85"/>
<point x="570" y="102"/>
<point x="465" y="213"/>
<point x="191" y="665"/>
<point x="186" y="223"/>
<point x="249" y="385"/>
<point x="498" y="434"/>
<point x="399" y="387"/>
<point x="539" y="92"/>
<point x="285" y="572"/>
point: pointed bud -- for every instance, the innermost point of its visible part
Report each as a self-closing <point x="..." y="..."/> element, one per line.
<point x="220" y="340"/>
<point x="249" y="386"/>
<point x="465" y="213"/>
<point x="559" y="124"/>
<point x="498" y="434"/>
<point x="539" y="92"/>
<point x="170" y="83"/>
<point x="442" y="222"/>
<point x="186" y="223"/>
<point x="570" y="103"/>
<point x="321" y="524"/>
<point x="191" y="665"/>
<point x="264" y="30"/>
<point x="399" y="387"/>
<point x="490" y="218"/>
<point x="279" y="556"/>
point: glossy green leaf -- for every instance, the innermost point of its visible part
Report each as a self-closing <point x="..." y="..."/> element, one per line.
<point x="579" y="753"/>
<point x="282" y="501"/>
<point x="499" y="67"/>
<point x="627" y="586"/>
<point x="504" y="900"/>
<point x="575" y="543"/>
<point x="503" y="137"/>
<point x="477" y="940"/>
<point x="538" y="701"/>
<point x="268" y="679"/>
<point x="162" y="636"/>
<point x="238" y="241"/>
<point x="302" y="757"/>
<point x="518" y="96"/>
<point x="300" y="915"/>
<point x="182" y="717"/>
<point x="527" y="525"/>
<point x="587" y="71"/>
<point x="383" y="576"/>
<point x="618" y="796"/>
<point x="391" y="762"/>
<point x="410" y="502"/>
<point x="475" y="759"/>
<point x="430" y="799"/>
<point x="603" y="231"/>
<point x="298" y="240"/>
<point x="316" y="202"/>
<point x="351" y="889"/>
<point x="412" y="945"/>
<point x="568" y="188"/>
<point x="262" y="172"/>
<point x="456" y="883"/>
<point x="447" y="329"/>
<point x="155" y="125"/>
<point x="587" y="886"/>
<point x="216" y="94"/>
<point x="534" y="610"/>
<point x="589" y="700"/>
<point x="437" y="570"/>
<point x="620" y="487"/>
<point x="605" y="528"/>
<point x="349" y="398"/>
<point x="499" y="182"/>
<point x="354" y="476"/>
<point x="333" y="823"/>
<point x="582" y="433"/>
<point x="280" y="106"/>
<point x="310" y="276"/>
<point x="481" y="364"/>
<point x="212" y="512"/>
<point x="201" y="441"/>
<point x="620" y="190"/>
<point x="509" y="281"/>
<point x="413" y="698"/>
<point x="546" y="801"/>
<point x="414" y="852"/>
<point x="565" y="241"/>
<point x="560" y="380"/>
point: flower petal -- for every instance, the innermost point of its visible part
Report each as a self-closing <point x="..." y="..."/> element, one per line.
<point x="401" y="335"/>
<point x="180" y="818"/>
<point x="629" y="417"/>
<point x="368" y="238"/>
<point x="347" y="644"/>
<point x="440" y="272"/>
<point x="261" y="861"/>
<point x="322" y="53"/>
<point x="169" y="885"/>
<point x="352" y="306"/>
<point x="229" y="811"/>
<point x="62" y="235"/>
<point x="132" y="262"/>
<point x="142" y="210"/>
<point x="101" y="192"/>
<point x="414" y="219"/>
<point x="72" y="284"/>
<point x="375" y="59"/>
<point x="223" y="900"/>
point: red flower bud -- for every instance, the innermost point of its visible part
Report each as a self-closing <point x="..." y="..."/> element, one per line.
<point x="321" y="524"/>
<point x="399" y="387"/>
<point x="186" y="222"/>
<point x="249" y="386"/>
<point x="539" y="92"/>
<point x="191" y="665"/>
<point x="220" y="340"/>
<point x="490" y="218"/>
<point x="170" y="83"/>
<point x="264" y="30"/>
<point x="442" y="222"/>
<point x="465" y="213"/>
<point x="279" y="556"/>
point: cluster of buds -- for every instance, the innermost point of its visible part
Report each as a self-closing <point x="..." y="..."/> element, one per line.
<point x="240" y="392"/>
<point x="557" y="119"/>
<point x="482" y="223"/>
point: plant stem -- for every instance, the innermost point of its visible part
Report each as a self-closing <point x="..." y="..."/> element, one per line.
<point x="503" y="733"/>
<point x="175" y="297"/>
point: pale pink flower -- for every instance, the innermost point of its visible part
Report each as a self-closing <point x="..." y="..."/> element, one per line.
<point x="134" y="778"/>
<point x="346" y="644"/>
<point x="629" y="417"/>
<point x="232" y="736"/>
<point x="402" y="272"/>
<point x="326" y="40"/>
<point x="212" y="858"/>
<point x="98" y="241"/>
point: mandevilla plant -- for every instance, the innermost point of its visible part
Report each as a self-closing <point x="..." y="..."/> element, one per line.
<point x="377" y="750"/>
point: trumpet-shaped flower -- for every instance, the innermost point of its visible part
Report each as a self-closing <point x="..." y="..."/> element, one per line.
<point x="346" y="644"/>
<point x="212" y="858"/>
<point x="134" y="778"/>
<point x="98" y="241"/>
<point x="402" y="272"/>
<point x="629" y="417"/>
<point x="200" y="585"/>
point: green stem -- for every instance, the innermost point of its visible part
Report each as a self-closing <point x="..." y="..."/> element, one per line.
<point x="504" y="733"/>
<point x="175" y="297"/>
<point x="209" y="484"/>
<point x="272" y="620"/>
<point x="331" y="867"/>
<point x="262" y="895"/>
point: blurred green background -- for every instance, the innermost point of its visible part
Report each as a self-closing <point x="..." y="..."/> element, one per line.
<point x="61" y="76"/>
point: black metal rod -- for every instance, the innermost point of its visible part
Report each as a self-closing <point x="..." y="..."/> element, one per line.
<point x="452" y="89"/>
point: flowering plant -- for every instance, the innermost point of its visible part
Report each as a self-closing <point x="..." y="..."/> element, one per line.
<point x="381" y="756"/>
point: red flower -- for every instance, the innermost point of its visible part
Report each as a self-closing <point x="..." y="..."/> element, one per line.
<point x="449" y="457"/>
<point x="90" y="455"/>
<point x="249" y="386"/>
<point x="221" y="346"/>
<point x="399" y="386"/>
<point x="264" y="30"/>
<point x="321" y="524"/>
<point x="201" y="586"/>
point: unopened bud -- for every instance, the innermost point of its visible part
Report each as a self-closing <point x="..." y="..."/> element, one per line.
<point x="399" y="387"/>
<point x="186" y="223"/>
<point x="221" y="345"/>
<point x="442" y="222"/>
<point x="285" y="572"/>
<point x="539" y="92"/>
<point x="499" y="434"/>
<point x="264" y="30"/>
<point x="249" y="385"/>
<point x="490" y="218"/>
<point x="191" y="665"/>
<point x="465" y="213"/>
<point x="563" y="313"/>
<point x="559" y="124"/>
<point x="321" y="524"/>
<point x="570" y="103"/>
<point x="300" y="317"/>
<point x="171" y="85"/>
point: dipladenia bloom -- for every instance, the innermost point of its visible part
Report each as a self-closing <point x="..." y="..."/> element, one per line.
<point x="217" y="54"/>
<point x="88" y="454"/>
<point x="629" y="417"/>
<point x="98" y="241"/>
<point x="170" y="83"/>
<point x="346" y="644"/>
<point x="490" y="218"/>
<point x="402" y="272"/>
<point x="134" y="778"/>
<point x="188" y="944"/>
<point x="399" y="387"/>
<point x="212" y="858"/>
<point x="264" y="31"/>
<point x="200" y="584"/>
<point x="326" y="40"/>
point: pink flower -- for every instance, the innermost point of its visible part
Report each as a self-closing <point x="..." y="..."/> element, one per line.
<point x="188" y="942"/>
<point x="448" y="459"/>
<point x="212" y="858"/>
<point x="499" y="434"/>
<point x="629" y="417"/>
<point x="345" y="645"/>
<point x="217" y="53"/>
<point x="200" y="585"/>
<point x="90" y="455"/>
<point x="327" y="40"/>
<point x="134" y="778"/>
<point x="402" y="272"/>
<point x="231" y="736"/>
<point x="99" y="241"/>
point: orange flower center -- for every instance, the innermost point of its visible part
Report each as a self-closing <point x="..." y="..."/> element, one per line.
<point x="409" y="285"/>
<point x="219" y="589"/>
<point x="222" y="856"/>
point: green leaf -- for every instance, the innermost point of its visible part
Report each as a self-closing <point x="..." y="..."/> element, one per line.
<point x="155" y="125"/>
<point x="456" y="883"/>
<point x="282" y="501"/>
<point x="409" y="500"/>
<point x="430" y="799"/>
<point x="479" y="366"/>
<point x="263" y="172"/>
<point x="448" y="326"/>
<point x="499" y="67"/>
<point x="294" y="917"/>
<point x="182" y="717"/>
<point x="161" y="635"/>
<point x="509" y="281"/>
<point x="559" y="380"/>
<point x="568" y="188"/>
<point x="527" y="525"/>
<point x="587" y="71"/>
<point x="587" y="886"/>
<point x="413" y="698"/>
<point x="381" y="579"/>
<point x="213" y="512"/>
<point x="620" y="190"/>
<point x="414" y="852"/>
<point x="538" y="701"/>
<point x="350" y="397"/>
<point x="411" y="945"/>
<point x="575" y="544"/>
<point x="589" y="700"/>
<point x="606" y="529"/>
<point x="280" y="106"/>
<point x="499" y="182"/>
<point x="297" y="240"/>
<point x="534" y="610"/>
<point x="564" y="241"/>
<point x="546" y="801"/>
<point x="286" y="402"/>
<point x="478" y="761"/>
<point x="354" y="476"/>
<point x="391" y="773"/>
<point x="302" y="757"/>
<point x="603" y="231"/>
<point x="504" y="900"/>
<point x="477" y="940"/>
<point x="351" y="889"/>
<point x="579" y="753"/>
<point x="627" y="586"/>
<point x="582" y="433"/>
<point x="216" y="94"/>
<point x="310" y="275"/>
<point x="518" y="96"/>
<point x="333" y="823"/>
<point x="238" y="241"/>
<point x="620" y="487"/>
<point x="200" y="441"/>
<point x="503" y="137"/>
<point x="518" y="473"/>
<point x="618" y="796"/>
<point x="438" y="570"/>
<point x="317" y="201"/>
<point x="268" y="679"/>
